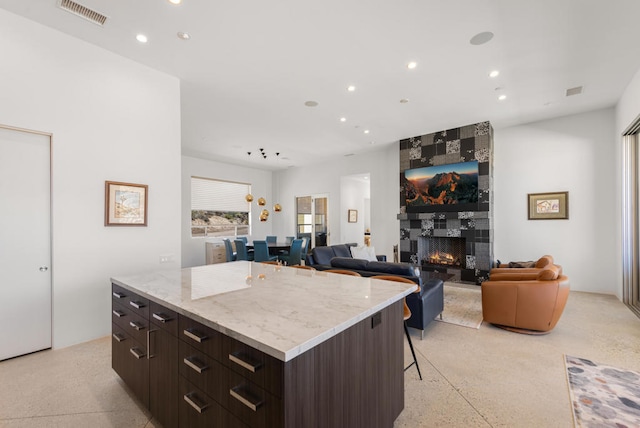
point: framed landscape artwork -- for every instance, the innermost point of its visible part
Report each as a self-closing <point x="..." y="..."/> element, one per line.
<point x="548" y="206"/>
<point x="125" y="204"/>
<point x="353" y="216"/>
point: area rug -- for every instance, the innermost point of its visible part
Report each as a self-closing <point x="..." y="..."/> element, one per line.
<point x="462" y="306"/>
<point x="601" y="395"/>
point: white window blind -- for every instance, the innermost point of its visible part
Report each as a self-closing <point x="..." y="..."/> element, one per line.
<point x="216" y="195"/>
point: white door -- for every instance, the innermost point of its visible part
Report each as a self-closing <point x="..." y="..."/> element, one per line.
<point x="25" y="242"/>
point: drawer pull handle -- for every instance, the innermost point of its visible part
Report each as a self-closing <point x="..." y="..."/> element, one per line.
<point x="119" y="337"/>
<point x="191" y="399"/>
<point x="162" y="317"/>
<point x="138" y="353"/>
<point x="137" y="325"/>
<point x="118" y="313"/>
<point x="119" y="295"/>
<point x="195" y="335"/>
<point x="137" y="305"/>
<point x="252" y="367"/>
<point x="253" y="405"/>
<point x="195" y="364"/>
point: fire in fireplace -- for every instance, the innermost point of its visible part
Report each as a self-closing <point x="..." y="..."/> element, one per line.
<point x="442" y="251"/>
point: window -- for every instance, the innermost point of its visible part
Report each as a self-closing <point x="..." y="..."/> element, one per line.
<point x="219" y="208"/>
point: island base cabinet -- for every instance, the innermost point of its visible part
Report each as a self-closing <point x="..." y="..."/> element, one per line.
<point x="129" y="360"/>
<point x="198" y="410"/>
<point x="163" y="377"/>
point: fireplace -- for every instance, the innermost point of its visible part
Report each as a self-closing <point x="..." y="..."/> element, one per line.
<point x="441" y="252"/>
<point x="456" y="240"/>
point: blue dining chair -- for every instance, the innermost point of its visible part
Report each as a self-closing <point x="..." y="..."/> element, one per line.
<point x="241" y="250"/>
<point x="271" y="239"/>
<point x="249" y="250"/>
<point x="261" y="252"/>
<point x="289" y="239"/>
<point x="295" y="253"/>
<point x="231" y="255"/>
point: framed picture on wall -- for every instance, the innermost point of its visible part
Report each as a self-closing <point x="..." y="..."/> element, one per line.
<point x="548" y="206"/>
<point x="125" y="204"/>
<point x="353" y="216"/>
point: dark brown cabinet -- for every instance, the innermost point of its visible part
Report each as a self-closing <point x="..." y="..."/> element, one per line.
<point x="190" y="375"/>
<point x="145" y="352"/>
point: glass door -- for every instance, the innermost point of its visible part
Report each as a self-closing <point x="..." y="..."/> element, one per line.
<point x="631" y="220"/>
<point x="313" y="219"/>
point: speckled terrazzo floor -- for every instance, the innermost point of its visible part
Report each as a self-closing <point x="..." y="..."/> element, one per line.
<point x="471" y="378"/>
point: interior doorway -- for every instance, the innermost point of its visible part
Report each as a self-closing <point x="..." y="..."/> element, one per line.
<point x="25" y="234"/>
<point x="312" y="219"/>
<point x="631" y="218"/>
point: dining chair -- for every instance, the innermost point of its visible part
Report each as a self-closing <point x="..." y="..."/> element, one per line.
<point x="289" y="239"/>
<point x="261" y="252"/>
<point x="343" y="272"/>
<point x="249" y="250"/>
<point x="231" y="255"/>
<point x="295" y="251"/>
<point x="407" y="314"/>
<point x="241" y="250"/>
<point x="272" y="239"/>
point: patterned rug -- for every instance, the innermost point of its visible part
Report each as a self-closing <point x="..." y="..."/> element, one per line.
<point x="603" y="396"/>
<point x="462" y="305"/>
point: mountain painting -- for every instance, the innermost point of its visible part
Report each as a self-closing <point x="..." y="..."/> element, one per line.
<point x="442" y="185"/>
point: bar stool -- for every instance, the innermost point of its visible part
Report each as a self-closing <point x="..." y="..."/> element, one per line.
<point x="407" y="315"/>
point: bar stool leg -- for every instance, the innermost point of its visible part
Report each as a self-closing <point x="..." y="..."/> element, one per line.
<point x="415" y="361"/>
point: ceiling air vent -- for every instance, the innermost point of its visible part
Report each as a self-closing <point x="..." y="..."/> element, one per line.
<point x="574" y="91"/>
<point x="82" y="11"/>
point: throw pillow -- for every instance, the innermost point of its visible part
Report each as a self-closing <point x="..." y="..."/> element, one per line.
<point x="366" y="253"/>
<point x="522" y="264"/>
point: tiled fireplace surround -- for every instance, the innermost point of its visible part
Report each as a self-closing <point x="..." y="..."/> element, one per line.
<point x="471" y="142"/>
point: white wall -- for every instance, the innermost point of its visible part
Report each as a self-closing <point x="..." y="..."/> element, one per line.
<point x="193" y="249"/>
<point x="575" y="154"/>
<point x="354" y="193"/>
<point x="111" y="119"/>
<point x="383" y="167"/>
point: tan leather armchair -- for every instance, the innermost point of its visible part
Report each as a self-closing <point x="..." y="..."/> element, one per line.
<point x="531" y="306"/>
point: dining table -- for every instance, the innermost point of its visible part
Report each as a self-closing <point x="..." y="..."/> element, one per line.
<point x="275" y="248"/>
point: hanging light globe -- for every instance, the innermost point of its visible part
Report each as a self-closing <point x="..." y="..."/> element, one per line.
<point x="264" y="213"/>
<point x="277" y="208"/>
<point x="249" y="198"/>
<point x="262" y="202"/>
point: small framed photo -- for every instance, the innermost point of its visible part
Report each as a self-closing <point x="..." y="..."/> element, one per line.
<point x="548" y="206"/>
<point x="125" y="204"/>
<point x="353" y="216"/>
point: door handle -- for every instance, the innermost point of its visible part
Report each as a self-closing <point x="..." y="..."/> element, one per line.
<point x="44" y="268"/>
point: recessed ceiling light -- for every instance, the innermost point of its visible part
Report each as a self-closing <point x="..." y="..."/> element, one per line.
<point x="142" y="38"/>
<point x="502" y="97"/>
<point x="343" y="119"/>
<point x="494" y="73"/>
<point x="404" y="101"/>
<point x="366" y="131"/>
<point x="184" y="36"/>
<point x="412" y="65"/>
<point x="481" y="38"/>
<point x="311" y="103"/>
<point x="175" y="1"/>
<point x="351" y="88"/>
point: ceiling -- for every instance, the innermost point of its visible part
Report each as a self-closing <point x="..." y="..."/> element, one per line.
<point x="250" y="66"/>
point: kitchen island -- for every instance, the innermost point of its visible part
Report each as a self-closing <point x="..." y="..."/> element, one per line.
<point x="256" y="345"/>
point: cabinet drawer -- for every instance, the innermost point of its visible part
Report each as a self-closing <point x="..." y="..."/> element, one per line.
<point x="131" y="300"/>
<point x="163" y="318"/>
<point x="201" y="337"/>
<point x="253" y="405"/>
<point x="129" y="360"/>
<point x="204" y="372"/>
<point x="132" y="323"/>
<point x="197" y="409"/>
<point x="258" y="367"/>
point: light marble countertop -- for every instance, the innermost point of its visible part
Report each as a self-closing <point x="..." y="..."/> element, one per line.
<point x="281" y="311"/>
